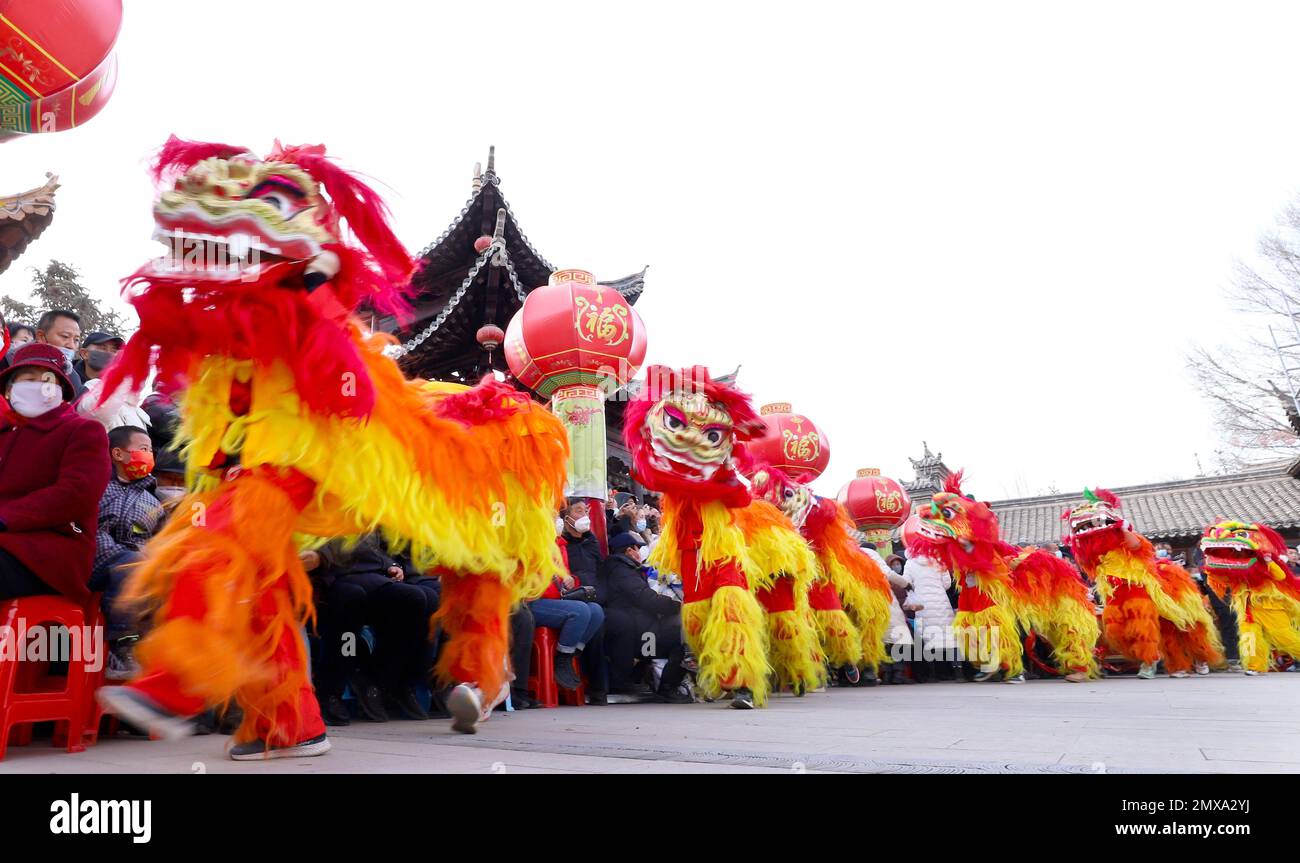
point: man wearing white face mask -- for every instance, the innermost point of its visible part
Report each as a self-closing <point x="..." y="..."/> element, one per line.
<point x="54" y="467"/>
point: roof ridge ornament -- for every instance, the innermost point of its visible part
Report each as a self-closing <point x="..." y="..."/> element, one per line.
<point x="477" y="184"/>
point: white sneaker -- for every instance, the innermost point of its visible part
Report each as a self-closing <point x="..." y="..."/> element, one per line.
<point x="1202" y="668"/>
<point x="466" y="706"/>
<point x="1019" y="678"/>
<point x="1250" y="673"/>
<point x="1147" y="672"/>
<point x="1180" y="674"/>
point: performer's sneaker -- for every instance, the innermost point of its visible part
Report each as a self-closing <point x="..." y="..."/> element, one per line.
<point x="742" y="699"/>
<point x="1019" y="678"/>
<point x="1180" y="674"/>
<point x="143" y="712"/>
<point x="985" y="676"/>
<point x="255" y="750"/>
<point x="1147" y="672"/>
<point x="1250" y="673"/>
<point x="851" y="675"/>
<point x="1202" y="668"/>
<point x="466" y="706"/>
<point x="1077" y="676"/>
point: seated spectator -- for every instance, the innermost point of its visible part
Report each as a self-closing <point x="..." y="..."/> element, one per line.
<point x="61" y="329"/>
<point x="121" y="408"/>
<point x="568" y="607"/>
<point x="581" y="547"/>
<point x="164" y="420"/>
<point x="130" y="514"/>
<point x="53" y="471"/>
<point x="19" y="335"/>
<point x="367" y="587"/>
<point x="640" y="623"/>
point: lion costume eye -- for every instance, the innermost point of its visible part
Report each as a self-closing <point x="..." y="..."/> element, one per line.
<point x="949" y="513"/>
<point x="713" y="436"/>
<point x="673" y="422"/>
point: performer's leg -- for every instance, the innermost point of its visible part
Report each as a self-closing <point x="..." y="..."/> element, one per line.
<point x="221" y="631"/>
<point x="732" y="654"/>
<point x="792" y="643"/>
<point x="1277" y="632"/>
<point x="281" y="710"/>
<point x="1177" y="647"/>
<point x="841" y="642"/>
<point x="1132" y="625"/>
<point x="474" y="614"/>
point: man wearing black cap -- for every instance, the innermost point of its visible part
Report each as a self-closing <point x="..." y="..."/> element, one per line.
<point x="639" y="622"/>
<point x="54" y="467"/>
<point x="97" y="351"/>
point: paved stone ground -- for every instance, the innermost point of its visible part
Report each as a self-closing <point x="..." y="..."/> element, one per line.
<point x="1222" y="723"/>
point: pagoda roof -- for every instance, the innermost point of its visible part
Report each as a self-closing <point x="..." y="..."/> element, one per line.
<point x="487" y="288"/>
<point x="1268" y="493"/>
<point x="23" y="217"/>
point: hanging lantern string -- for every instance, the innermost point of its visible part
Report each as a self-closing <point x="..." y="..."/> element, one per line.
<point x="498" y="246"/>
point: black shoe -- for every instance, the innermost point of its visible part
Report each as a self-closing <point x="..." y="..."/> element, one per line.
<point x="676" y="696"/>
<point x="742" y="699"/>
<point x="869" y="677"/>
<point x="597" y="698"/>
<point x="255" y="750"/>
<point x="409" y="703"/>
<point x="370" y="698"/>
<point x="438" y="703"/>
<point x="520" y="700"/>
<point x="335" y="712"/>
<point x="566" y="677"/>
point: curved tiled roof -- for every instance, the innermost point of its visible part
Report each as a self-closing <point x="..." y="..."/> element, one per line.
<point x="22" y="219"/>
<point x="1268" y="493"/>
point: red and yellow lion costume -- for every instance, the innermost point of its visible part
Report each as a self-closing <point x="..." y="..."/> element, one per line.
<point x="296" y="427"/>
<point x="851" y="597"/>
<point x="681" y="430"/>
<point x="1005" y="589"/>
<point x="1249" y="566"/>
<point x="1153" y="608"/>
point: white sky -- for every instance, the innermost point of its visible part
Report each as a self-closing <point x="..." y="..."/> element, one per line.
<point x="997" y="227"/>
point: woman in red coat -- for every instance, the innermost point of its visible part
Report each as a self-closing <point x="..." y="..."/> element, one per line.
<point x="54" y="467"/>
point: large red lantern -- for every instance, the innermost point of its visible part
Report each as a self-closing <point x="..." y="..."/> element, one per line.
<point x="877" y="504"/>
<point x="793" y="444"/>
<point x="575" y="332"/>
<point x="577" y="342"/>
<point x="57" y="68"/>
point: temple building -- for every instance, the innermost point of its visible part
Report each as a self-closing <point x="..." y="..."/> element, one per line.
<point x="1174" y="512"/>
<point x="930" y="474"/>
<point x="23" y="218"/>
<point x="470" y="282"/>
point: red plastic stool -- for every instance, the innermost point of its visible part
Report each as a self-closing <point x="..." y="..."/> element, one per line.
<point x="27" y="690"/>
<point x="541" y="682"/>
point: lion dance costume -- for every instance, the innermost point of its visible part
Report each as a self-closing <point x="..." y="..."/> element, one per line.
<point x="1153" y="609"/>
<point x="1005" y="588"/>
<point x="851" y="597"/>
<point x="681" y="430"/>
<point x="297" y="428"/>
<point x="1249" y="565"/>
<point x="781" y="570"/>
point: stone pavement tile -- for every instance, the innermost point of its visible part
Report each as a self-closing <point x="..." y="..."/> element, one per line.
<point x="1245" y="750"/>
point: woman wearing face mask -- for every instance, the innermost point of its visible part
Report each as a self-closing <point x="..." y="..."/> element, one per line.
<point x="19" y="335"/>
<point x="54" y="467"/>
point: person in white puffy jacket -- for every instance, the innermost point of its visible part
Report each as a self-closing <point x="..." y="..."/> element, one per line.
<point x="930" y="583"/>
<point x="899" y="636"/>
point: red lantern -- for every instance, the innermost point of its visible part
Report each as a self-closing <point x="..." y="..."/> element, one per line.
<point x="575" y="332"/>
<point x="490" y="337"/>
<point x="60" y="69"/>
<point x="792" y="444"/>
<point x="877" y="504"/>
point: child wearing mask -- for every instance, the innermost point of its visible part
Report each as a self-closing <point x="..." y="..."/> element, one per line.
<point x="130" y="513"/>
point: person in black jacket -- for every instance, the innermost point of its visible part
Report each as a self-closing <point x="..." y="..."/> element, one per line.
<point x="581" y="545"/>
<point x="366" y="585"/>
<point x="640" y="623"/>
